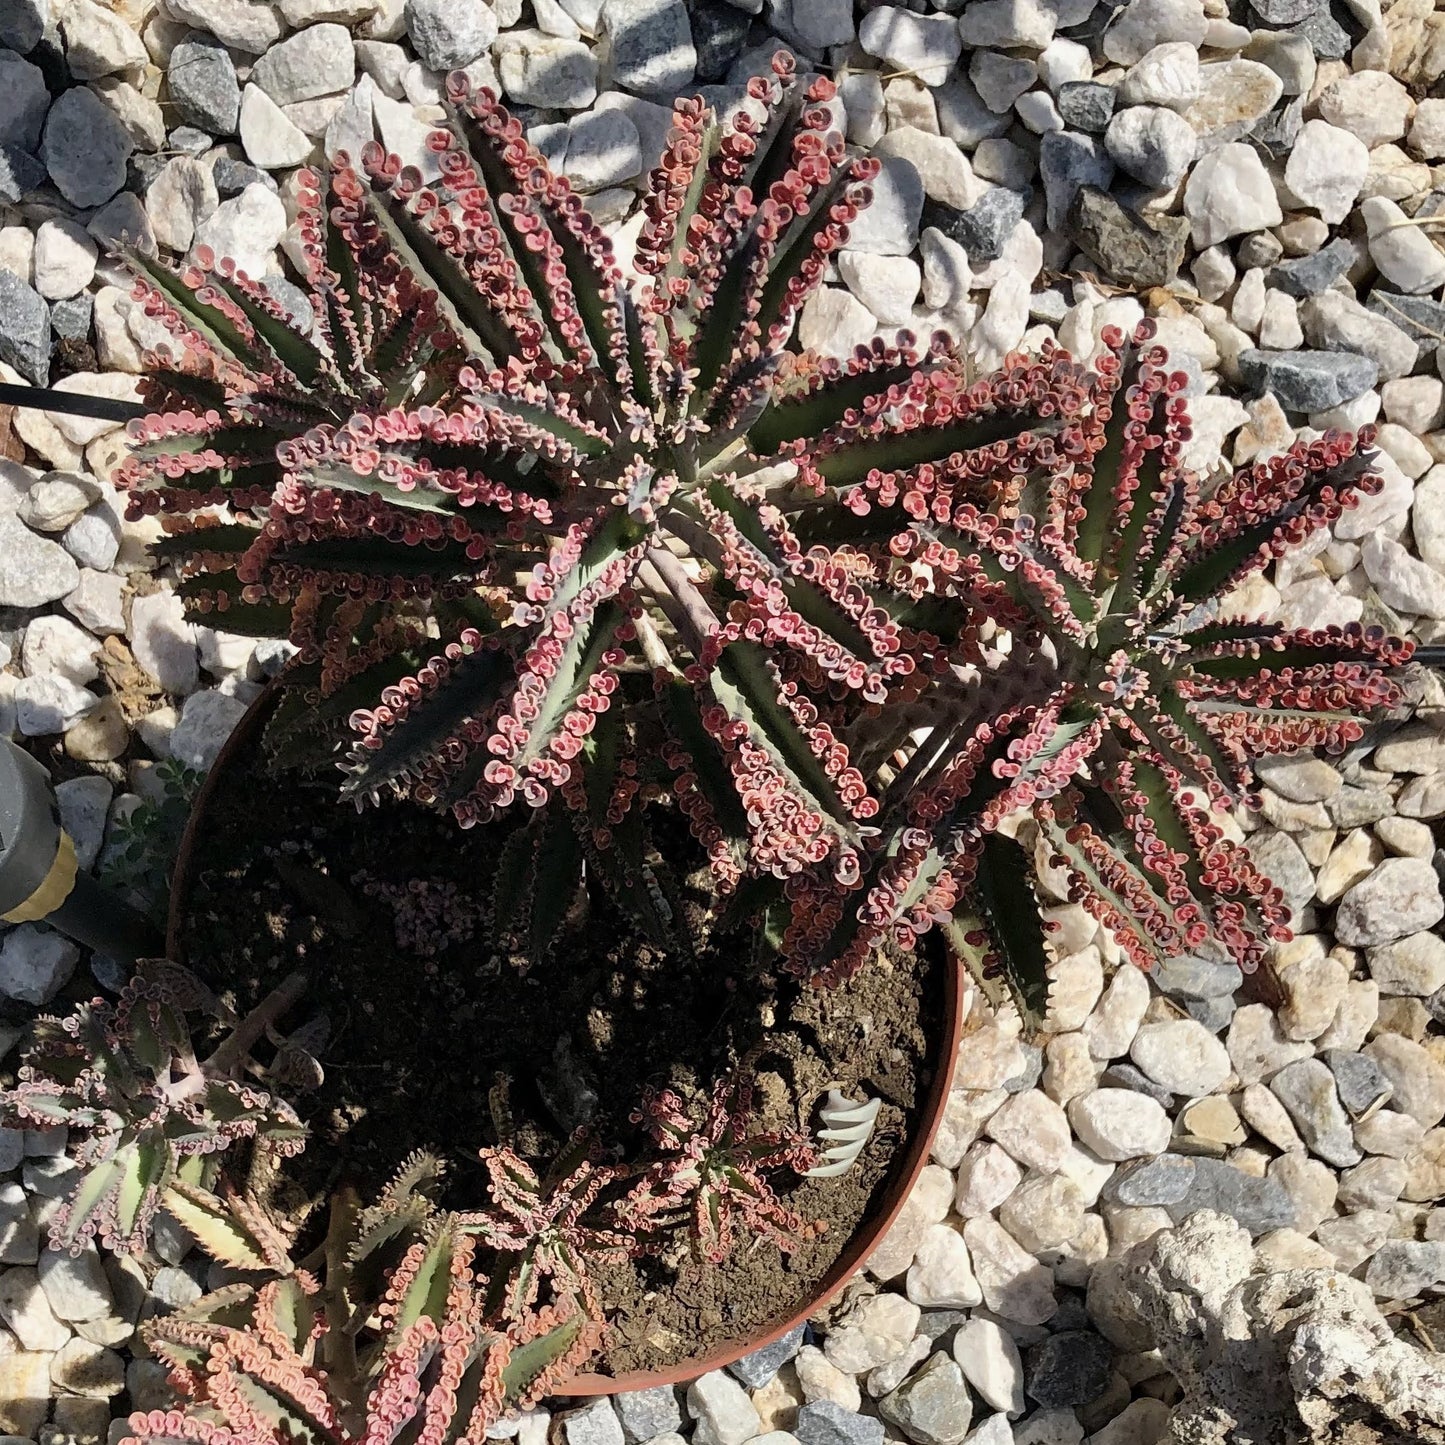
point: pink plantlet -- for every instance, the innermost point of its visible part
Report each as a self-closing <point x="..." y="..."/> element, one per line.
<point x="430" y="914"/>
<point x="547" y="1227"/>
<point x="711" y="1174"/>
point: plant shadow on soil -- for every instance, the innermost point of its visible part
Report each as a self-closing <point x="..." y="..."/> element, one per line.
<point x="437" y="1040"/>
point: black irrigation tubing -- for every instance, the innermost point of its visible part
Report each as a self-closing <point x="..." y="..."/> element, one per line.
<point x="73" y="403"/>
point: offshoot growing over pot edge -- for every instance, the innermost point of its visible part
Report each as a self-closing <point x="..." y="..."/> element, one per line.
<point x="387" y="1330"/>
<point x="153" y="1119"/>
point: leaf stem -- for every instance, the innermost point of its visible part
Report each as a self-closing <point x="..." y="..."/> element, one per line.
<point x="700" y="622"/>
<point x="230" y="1055"/>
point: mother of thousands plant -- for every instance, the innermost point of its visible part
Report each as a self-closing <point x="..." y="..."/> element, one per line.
<point x="148" y="1118"/>
<point x="388" y="1333"/>
<point x="543" y="535"/>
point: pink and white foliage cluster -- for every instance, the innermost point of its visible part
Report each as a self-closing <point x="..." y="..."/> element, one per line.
<point x="549" y="533"/>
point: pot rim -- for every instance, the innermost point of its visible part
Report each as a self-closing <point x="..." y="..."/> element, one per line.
<point x="861" y="1243"/>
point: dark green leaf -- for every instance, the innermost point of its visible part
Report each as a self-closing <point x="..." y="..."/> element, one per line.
<point x="1202" y="575"/>
<point x="209" y="322"/>
<point x="512" y="883"/>
<point x="746" y="689"/>
<point x="474" y="685"/>
<point x="714" y="780"/>
<point x="462" y="306"/>
<point x="557" y="877"/>
<point x="897" y="450"/>
<point x="293" y="351"/>
<point x="812" y="414"/>
<point x="532" y="1362"/>
<point x="1005" y="899"/>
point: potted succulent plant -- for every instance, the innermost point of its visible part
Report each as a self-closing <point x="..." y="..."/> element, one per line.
<point x="750" y="693"/>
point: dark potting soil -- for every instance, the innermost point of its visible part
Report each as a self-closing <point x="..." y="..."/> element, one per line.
<point x="438" y="1042"/>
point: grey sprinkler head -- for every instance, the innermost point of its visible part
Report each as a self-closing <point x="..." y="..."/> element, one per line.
<point x="39" y="875"/>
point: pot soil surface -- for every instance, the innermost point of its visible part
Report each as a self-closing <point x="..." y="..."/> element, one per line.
<point x="438" y="1041"/>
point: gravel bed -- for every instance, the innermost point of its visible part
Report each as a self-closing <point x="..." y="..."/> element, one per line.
<point x="1264" y="179"/>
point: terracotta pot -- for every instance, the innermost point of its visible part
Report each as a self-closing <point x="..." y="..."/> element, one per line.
<point x="907" y="1167"/>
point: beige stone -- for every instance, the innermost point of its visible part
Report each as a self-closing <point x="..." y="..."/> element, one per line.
<point x="24" y="1391"/>
<point x="1425" y="1169"/>
<point x="1268" y="1117"/>
<point x="1069" y="1067"/>
<point x="1418" y="1077"/>
<point x="1314" y="987"/>
<point x="1312" y="1187"/>
<point x="1214" y="1119"/>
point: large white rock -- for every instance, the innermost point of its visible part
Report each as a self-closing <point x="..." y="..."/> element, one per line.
<point x="876" y="1330"/>
<point x="1044" y="1212"/>
<point x="1008" y="24"/>
<point x="24" y="1308"/>
<point x="1229" y="193"/>
<point x="249" y="25"/>
<point x="270" y="139"/>
<point x="1326" y="169"/>
<point x="1015" y="1285"/>
<point x="55" y="645"/>
<point x="942" y="166"/>
<point x="1142" y="24"/>
<point x="927" y="46"/>
<point x="1182" y="1056"/>
<point x="720" y="1405"/>
<point x="1167" y="75"/>
<point x="64" y="259"/>
<point x="313" y="62"/>
<point x="50" y="704"/>
<point x="1403" y="581"/>
<point x="1371" y="104"/>
<point x="1401" y="897"/>
<point x="991" y="1364"/>
<point x="538" y="69"/>
<point x="1118" y="1124"/>
<point x="1033" y="1129"/>
<point x="887" y="285"/>
<point x="179" y="199"/>
<point x="834" y="321"/>
<point x="164" y="643"/>
<point x="1110" y="1029"/>
<point x="941" y="1276"/>
<point x="75" y="1284"/>
<point x="247" y="228"/>
<point x="987" y="1176"/>
<point x="1404" y="252"/>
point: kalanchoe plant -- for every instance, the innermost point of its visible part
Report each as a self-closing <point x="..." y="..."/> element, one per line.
<point x="542" y="1224"/>
<point x="1133" y="700"/>
<point x="391" y="1336"/>
<point x="148" y="1119"/>
<point x="710" y="1173"/>
<point x="542" y="535"/>
<point x="610" y="510"/>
